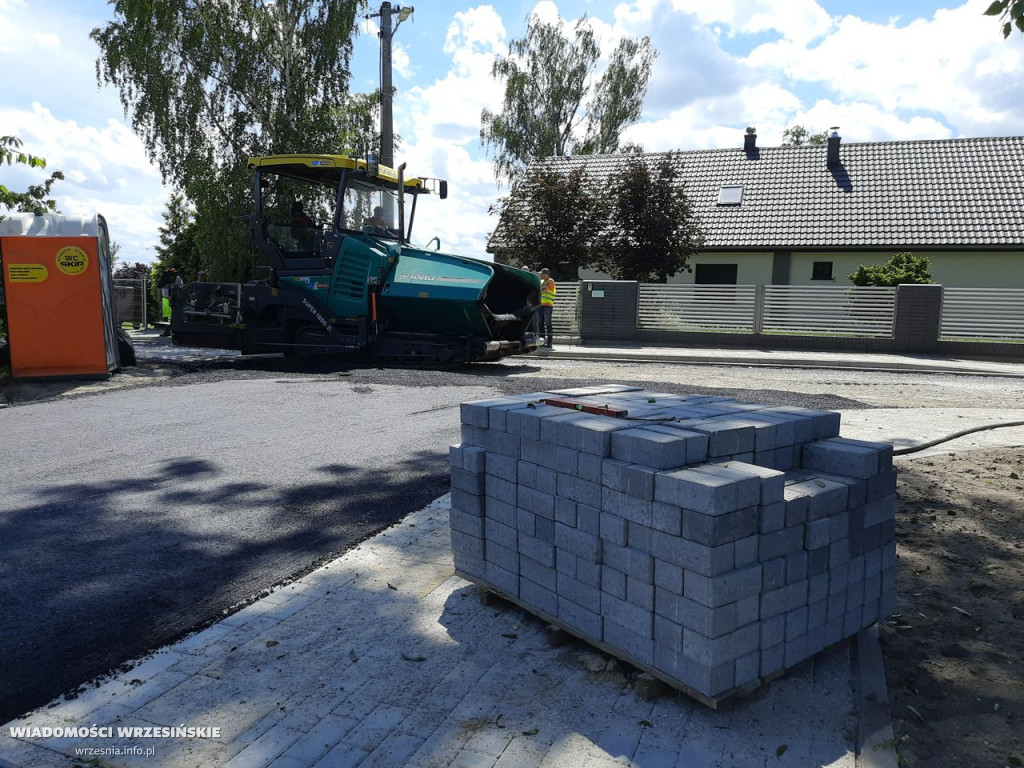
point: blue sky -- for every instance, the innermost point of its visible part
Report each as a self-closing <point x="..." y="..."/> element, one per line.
<point x="879" y="70"/>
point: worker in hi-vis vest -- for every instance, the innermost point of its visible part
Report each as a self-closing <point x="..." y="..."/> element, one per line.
<point x="547" y="306"/>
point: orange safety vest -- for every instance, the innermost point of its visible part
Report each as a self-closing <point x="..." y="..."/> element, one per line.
<point x="547" y="293"/>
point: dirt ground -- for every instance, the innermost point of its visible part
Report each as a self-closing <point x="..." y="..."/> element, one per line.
<point x="954" y="652"/>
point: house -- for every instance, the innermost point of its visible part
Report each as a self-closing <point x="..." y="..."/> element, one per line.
<point x="810" y="215"/>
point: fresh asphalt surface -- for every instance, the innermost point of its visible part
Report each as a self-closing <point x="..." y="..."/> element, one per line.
<point x="133" y="516"/>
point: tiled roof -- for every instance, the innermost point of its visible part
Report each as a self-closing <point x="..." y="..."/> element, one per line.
<point x="952" y="193"/>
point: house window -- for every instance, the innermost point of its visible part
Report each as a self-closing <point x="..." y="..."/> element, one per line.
<point x="715" y="274"/>
<point x="730" y="195"/>
<point x="822" y="270"/>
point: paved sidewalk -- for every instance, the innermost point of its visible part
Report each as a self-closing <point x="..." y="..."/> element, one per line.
<point x="385" y="658"/>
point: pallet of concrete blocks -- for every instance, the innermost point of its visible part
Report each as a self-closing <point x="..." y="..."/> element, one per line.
<point x="710" y="542"/>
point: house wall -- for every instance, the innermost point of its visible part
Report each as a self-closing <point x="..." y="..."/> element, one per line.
<point x="958" y="269"/>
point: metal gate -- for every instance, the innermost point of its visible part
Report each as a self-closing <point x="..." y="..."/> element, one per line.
<point x="130" y="298"/>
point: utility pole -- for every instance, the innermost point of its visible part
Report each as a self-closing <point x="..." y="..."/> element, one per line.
<point x="387" y="31"/>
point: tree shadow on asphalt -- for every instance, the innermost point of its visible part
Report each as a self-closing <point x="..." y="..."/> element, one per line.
<point x="97" y="574"/>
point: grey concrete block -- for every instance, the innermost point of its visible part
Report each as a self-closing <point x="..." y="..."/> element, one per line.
<point x="590" y="623"/>
<point x="726" y="437"/>
<point x="526" y="422"/>
<point x="625" y="506"/>
<point x="504" y="580"/>
<point x="710" y="622"/>
<point x="613" y="474"/>
<point x="499" y="533"/>
<point x="466" y="562"/>
<point x="772" y="482"/>
<point x="667" y="518"/>
<point x="526" y="472"/>
<point x="817" y="587"/>
<point x="888" y="555"/>
<point x="782" y="543"/>
<point x="588" y="519"/>
<point x="714" y="530"/>
<point x="817" y="561"/>
<point x="565" y="511"/>
<point x="838" y="553"/>
<point x="594" y="434"/>
<point x="796" y="623"/>
<point x="567" y="460"/>
<point x="640" y="481"/>
<point x="467" y="543"/>
<point x="773" y="574"/>
<point x="526" y="522"/>
<point x="796" y="651"/>
<point x="475" y="413"/>
<point x="537" y="572"/>
<point x="582" y="491"/>
<point x="707" y="561"/>
<point x="565" y="562"/>
<point x="628" y="639"/>
<point x="817" y="534"/>
<point x="668" y="576"/>
<point x="853" y="622"/>
<point x="797" y="506"/>
<point x="613" y="582"/>
<point x="540" y="552"/>
<point x="633" y="562"/>
<point x="839" y="456"/>
<point x="504" y="557"/>
<point x="784" y="600"/>
<point x="713" y="652"/>
<point x="503" y="443"/>
<point x="538" y="453"/>
<point x="838" y="578"/>
<point x="796" y="567"/>
<point x="748" y="485"/>
<point x="638" y="537"/>
<point x="881" y="485"/>
<point x="468" y="502"/>
<point x="538" y="597"/>
<point x="836" y="608"/>
<point x="640" y="593"/>
<point x="613" y="529"/>
<point x="716" y="591"/>
<point x="467" y="523"/>
<point x="748" y="668"/>
<point x="501" y="511"/>
<point x="471" y="482"/>
<point x="880" y="510"/>
<point x="561" y="430"/>
<point x="544" y="529"/>
<point x="771" y="517"/>
<point x="589" y="466"/>
<point x="542" y="504"/>
<point x="855" y="596"/>
<point x="773" y="631"/>
<point x="747" y="551"/>
<point x="817" y="614"/>
<point x="695" y="490"/>
<point x="588" y="573"/>
<point x="834" y="631"/>
<point x="650" y="448"/>
<point x="580" y="543"/>
<point x="546" y="480"/>
<point x="824" y="497"/>
<point x="667" y="634"/>
<point x="626" y="614"/>
<point x="855" y="570"/>
<point x="814" y="641"/>
<point x="696" y="442"/>
<point x="504" y="467"/>
<point x="473" y="435"/>
<point x="583" y="595"/>
<point x="502" y="489"/>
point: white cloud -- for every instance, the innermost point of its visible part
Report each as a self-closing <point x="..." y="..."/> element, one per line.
<point x="798" y="20"/>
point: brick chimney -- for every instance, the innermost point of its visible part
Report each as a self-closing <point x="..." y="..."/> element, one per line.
<point x="832" y="160"/>
<point x="750" y="140"/>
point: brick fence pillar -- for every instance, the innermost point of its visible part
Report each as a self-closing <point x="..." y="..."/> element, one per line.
<point x="918" y="315"/>
<point x="608" y="310"/>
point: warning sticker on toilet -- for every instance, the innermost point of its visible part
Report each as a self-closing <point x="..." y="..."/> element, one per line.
<point x="72" y="260"/>
<point x="26" y="273"/>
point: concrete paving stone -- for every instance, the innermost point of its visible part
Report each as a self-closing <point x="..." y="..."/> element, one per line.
<point x="695" y="490"/>
<point x="545" y="529"/>
<point x="589" y="467"/>
<point x="588" y="519"/>
<point x="396" y="748"/>
<point x="650" y="448"/>
<point x="526" y="422"/>
<point x="527" y="473"/>
<point x="796" y="651"/>
<point x="855" y="570"/>
<point x="817" y="534"/>
<point x="825" y="497"/>
<point x="522" y="752"/>
<point x="266" y="748"/>
<point x="537" y="558"/>
<point x="471" y="525"/>
<point x="501" y="534"/>
<point x="565" y="511"/>
<point x="725" y="588"/>
<point x="288" y="761"/>
<point x="796" y="567"/>
<point x="588" y="573"/>
<point x="547" y="479"/>
<point x="668" y="576"/>
<point x="641" y="593"/>
<point x="526" y="522"/>
<point x="876" y="512"/>
<point x="504" y="580"/>
<point x="612" y="529"/>
<point x="561" y="430"/>
<point x="475" y="436"/>
<point x="538" y="453"/>
<point x="504" y="444"/>
<point x="796" y="623"/>
<point x="842" y="457"/>
<point x="881" y="485"/>
<point x="504" y="490"/>
<point x="707" y="561"/>
<point x="316" y="742"/>
<point x="666" y="518"/>
<point x="638" y="537"/>
<point x="667" y="634"/>
<point x="782" y="601"/>
<point x="836" y="605"/>
<point x="773" y="659"/>
<point x="817" y="588"/>
<point x="817" y="561"/>
<point x="613" y="474"/>
<point x="838" y="553"/>
<point x="594" y="435"/>
<point x="781" y="543"/>
<point x="567" y="460"/>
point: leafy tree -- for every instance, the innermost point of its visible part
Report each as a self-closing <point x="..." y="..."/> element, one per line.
<point x="207" y="85"/>
<point x="36" y="199"/>
<point x="651" y="231"/>
<point x="902" y="268"/>
<point x="549" y="220"/>
<point x="797" y="136"/>
<point x="1010" y="12"/>
<point x="136" y="271"/>
<point x="178" y="246"/>
<point x="554" y="102"/>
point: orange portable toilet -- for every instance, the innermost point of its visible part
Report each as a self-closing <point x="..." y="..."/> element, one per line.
<point x="59" y="295"/>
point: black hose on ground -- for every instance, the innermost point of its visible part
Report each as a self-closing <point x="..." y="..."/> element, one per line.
<point x="961" y="433"/>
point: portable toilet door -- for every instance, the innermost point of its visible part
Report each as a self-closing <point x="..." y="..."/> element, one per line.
<point x="60" y="296"/>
